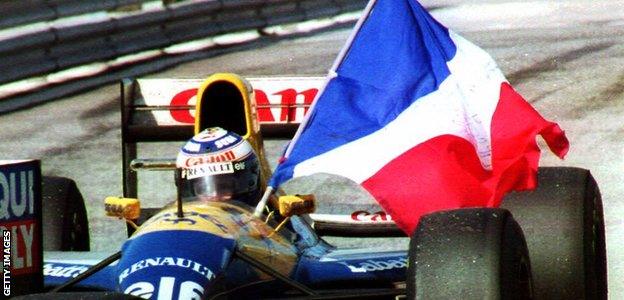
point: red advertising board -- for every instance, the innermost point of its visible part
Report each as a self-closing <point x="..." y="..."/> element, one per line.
<point x="20" y="224"/>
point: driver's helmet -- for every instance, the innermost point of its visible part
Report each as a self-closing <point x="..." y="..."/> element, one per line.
<point x="218" y="165"/>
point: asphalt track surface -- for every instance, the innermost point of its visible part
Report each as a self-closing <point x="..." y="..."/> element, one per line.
<point x="565" y="57"/>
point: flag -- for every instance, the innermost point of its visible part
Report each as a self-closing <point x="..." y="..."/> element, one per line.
<point x="421" y="118"/>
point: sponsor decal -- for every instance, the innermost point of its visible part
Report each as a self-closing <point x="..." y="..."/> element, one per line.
<point x="166" y="286"/>
<point x="362" y="215"/>
<point x="292" y="105"/>
<point x="186" y="97"/>
<point x="17" y="219"/>
<point x="20" y="219"/>
<point x="278" y="99"/>
<point x="16" y="198"/>
<point x="287" y="103"/>
<point x="165" y="289"/>
<point x="376" y="265"/>
<point x="239" y="166"/>
<point x="208" y="169"/>
<point x="208" y="159"/>
<point x="167" y="261"/>
<point x="64" y="271"/>
<point x="172" y="264"/>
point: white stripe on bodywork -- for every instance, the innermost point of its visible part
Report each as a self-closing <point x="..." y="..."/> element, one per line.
<point x="361" y="254"/>
<point x="347" y="219"/>
<point x="463" y="106"/>
<point x="75" y="257"/>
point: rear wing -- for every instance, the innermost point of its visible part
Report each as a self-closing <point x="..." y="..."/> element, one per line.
<point x="161" y="110"/>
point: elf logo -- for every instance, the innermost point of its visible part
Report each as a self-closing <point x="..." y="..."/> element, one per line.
<point x="376" y="265"/>
<point x="165" y="288"/>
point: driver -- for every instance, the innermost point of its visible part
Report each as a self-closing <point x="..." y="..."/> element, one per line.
<point x="218" y="165"/>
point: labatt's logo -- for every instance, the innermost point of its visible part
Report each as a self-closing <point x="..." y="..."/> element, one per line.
<point x="64" y="271"/>
<point x="18" y="216"/>
<point x="286" y="99"/>
<point x="372" y="265"/>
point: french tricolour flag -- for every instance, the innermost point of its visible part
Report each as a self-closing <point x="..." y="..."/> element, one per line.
<point x="420" y="117"/>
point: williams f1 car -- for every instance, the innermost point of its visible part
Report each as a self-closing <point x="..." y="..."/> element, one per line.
<point x="548" y="243"/>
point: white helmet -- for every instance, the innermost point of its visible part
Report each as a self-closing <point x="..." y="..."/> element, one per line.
<point x="218" y="165"/>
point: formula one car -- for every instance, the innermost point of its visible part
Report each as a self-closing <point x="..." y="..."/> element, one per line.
<point x="548" y="243"/>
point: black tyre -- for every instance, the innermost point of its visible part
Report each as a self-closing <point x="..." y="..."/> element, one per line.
<point x="468" y="254"/>
<point x="65" y="226"/>
<point x="564" y="229"/>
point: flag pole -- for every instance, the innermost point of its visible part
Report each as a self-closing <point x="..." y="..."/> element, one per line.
<point x="263" y="201"/>
<point x="331" y="74"/>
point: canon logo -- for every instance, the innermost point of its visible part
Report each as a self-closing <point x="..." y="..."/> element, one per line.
<point x="285" y="99"/>
<point x="362" y="215"/>
<point x="208" y="159"/>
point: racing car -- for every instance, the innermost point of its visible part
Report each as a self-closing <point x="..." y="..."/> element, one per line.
<point x="544" y="244"/>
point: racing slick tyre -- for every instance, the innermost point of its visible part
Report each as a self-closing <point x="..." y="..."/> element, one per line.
<point x="477" y="253"/>
<point x="564" y="228"/>
<point x="64" y="215"/>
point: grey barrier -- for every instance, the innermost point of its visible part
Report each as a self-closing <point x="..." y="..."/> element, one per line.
<point x="56" y="46"/>
<point x="60" y="46"/>
<point x="20" y="12"/>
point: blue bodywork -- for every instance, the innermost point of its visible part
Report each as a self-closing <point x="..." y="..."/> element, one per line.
<point x="172" y="264"/>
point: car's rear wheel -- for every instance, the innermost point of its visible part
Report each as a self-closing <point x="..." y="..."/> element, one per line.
<point x="564" y="228"/>
<point x="65" y="225"/>
<point x="468" y="254"/>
